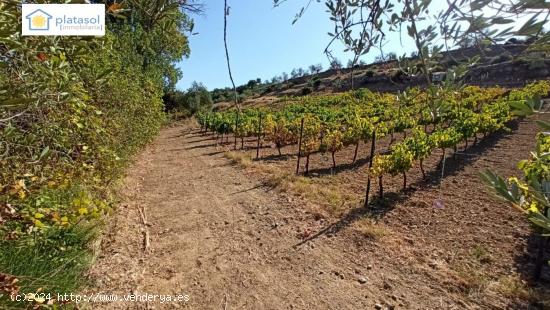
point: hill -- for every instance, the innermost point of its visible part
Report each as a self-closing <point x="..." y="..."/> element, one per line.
<point x="506" y="65"/>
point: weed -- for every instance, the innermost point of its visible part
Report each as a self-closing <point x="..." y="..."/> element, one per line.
<point x="513" y="287"/>
<point x="481" y="254"/>
<point x="370" y="228"/>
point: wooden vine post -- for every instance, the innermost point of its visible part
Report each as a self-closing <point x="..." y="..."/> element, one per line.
<point x="259" y="137"/>
<point x="372" y="149"/>
<point x="355" y="154"/>
<point x="300" y="146"/>
<point x="235" y="131"/>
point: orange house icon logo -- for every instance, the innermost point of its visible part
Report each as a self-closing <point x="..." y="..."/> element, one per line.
<point x="39" y="20"/>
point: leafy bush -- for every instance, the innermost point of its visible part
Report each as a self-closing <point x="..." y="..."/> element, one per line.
<point x="197" y="98"/>
<point x="72" y="112"/>
<point x="306" y="91"/>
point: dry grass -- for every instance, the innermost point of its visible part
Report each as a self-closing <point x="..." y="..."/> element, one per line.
<point x="242" y="159"/>
<point x="481" y="254"/>
<point x="513" y="287"/>
<point x="370" y="228"/>
<point x="474" y="280"/>
<point x="325" y="193"/>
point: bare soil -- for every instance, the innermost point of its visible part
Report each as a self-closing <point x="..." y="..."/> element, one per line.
<point x="221" y="236"/>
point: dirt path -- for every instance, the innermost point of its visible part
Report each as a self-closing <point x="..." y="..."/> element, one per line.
<point x="222" y="238"/>
<point x="217" y="236"/>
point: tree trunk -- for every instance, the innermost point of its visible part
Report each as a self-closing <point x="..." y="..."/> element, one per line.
<point x="307" y="164"/>
<point x="333" y="161"/>
<point x="422" y="169"/>
<point x="404" y="180"/>
<point x="380" y="187"/>
<point x="279" y="149"/>
<point x="475" y="139"/>
<point x="242" y="143"/>
<point x="466" y="145"/>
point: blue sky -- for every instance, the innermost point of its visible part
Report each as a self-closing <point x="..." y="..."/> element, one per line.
<point x="262" y="42"/>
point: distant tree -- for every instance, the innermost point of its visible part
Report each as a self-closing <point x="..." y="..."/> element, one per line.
<point x="301" y="72"/>
<point x="336" y="64"/>
<point x="383" y="58"/>
<point x="174" y="100"/>
<point x="221" y="94"/>
<point x="197" y="98"/>
<point x="276" y="79"/>
<point x="314" y="69"/>
<point x="358" y="63"/>
<point x="284" y="76"/>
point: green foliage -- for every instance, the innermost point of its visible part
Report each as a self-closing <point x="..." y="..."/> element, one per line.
<point x="250" y="89"/>
<point x="197" y="98"/>
<point x="530" y="194"/>
<point x="72" y="112"/>
<point x="50" y="264"/>
<point x="333" y="122"/>
<point x="174" y="101"/>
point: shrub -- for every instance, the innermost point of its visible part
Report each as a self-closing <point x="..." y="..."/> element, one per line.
<point x="314" y="82"/>
<point x="397" y="75"/>
<point x="306" y="91"/>
<point x="174" y="101"/>
<point x="197" y="98"/>
<point x="74" y="119"/>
